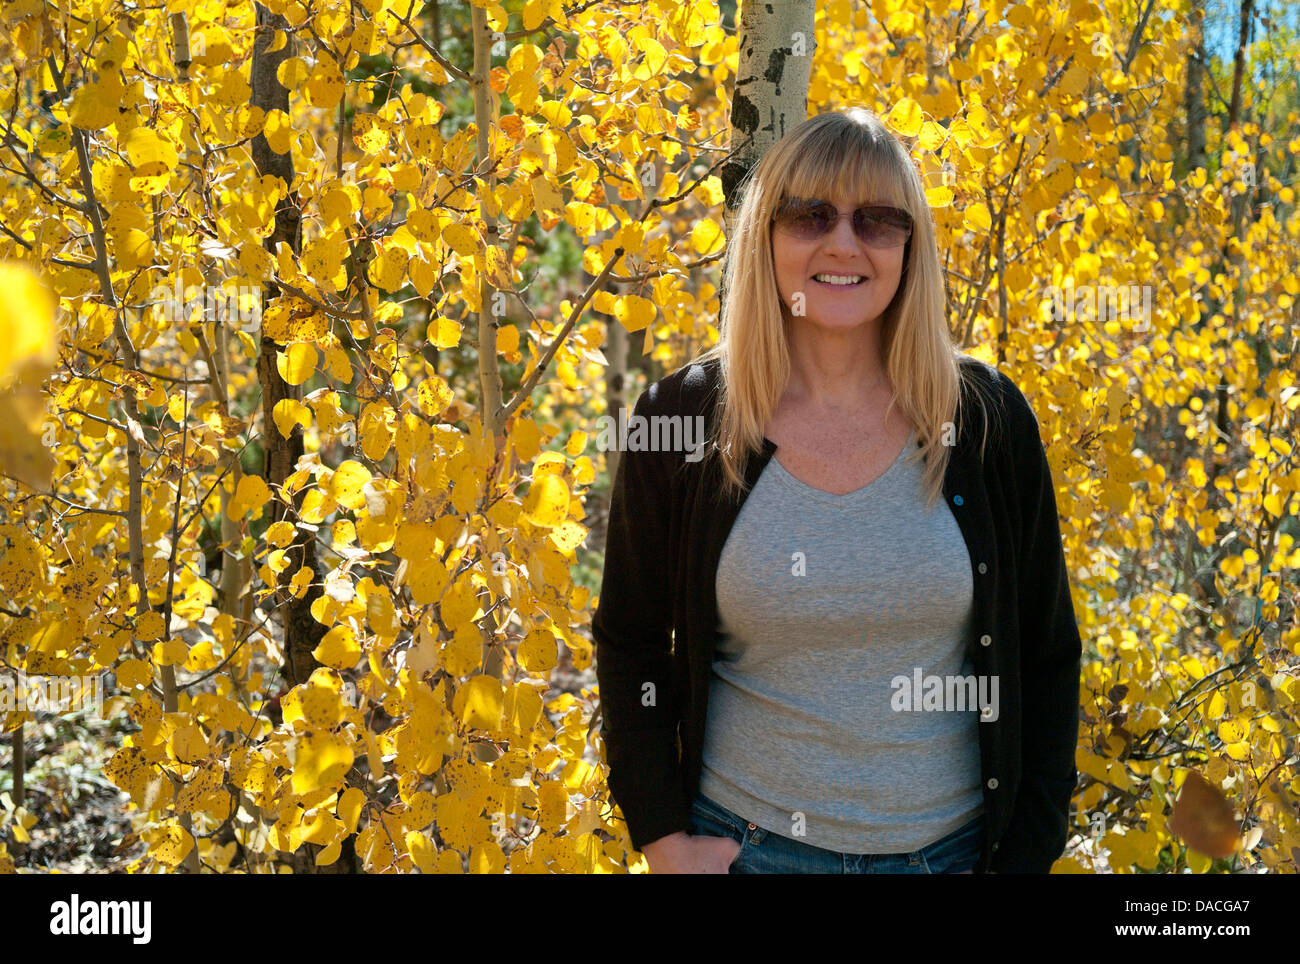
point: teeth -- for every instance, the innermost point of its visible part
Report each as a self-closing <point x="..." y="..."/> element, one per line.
<point x="838" y="279"/>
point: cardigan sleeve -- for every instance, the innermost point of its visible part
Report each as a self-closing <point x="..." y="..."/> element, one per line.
<point x="1050" y="652"/>
<point x="632" y="631"/>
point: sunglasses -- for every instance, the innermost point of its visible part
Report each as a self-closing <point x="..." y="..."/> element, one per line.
<point x="874" y="225"/>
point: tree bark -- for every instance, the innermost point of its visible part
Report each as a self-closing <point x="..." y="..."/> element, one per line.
<point x="302" y="633"/>
<point x="1195" y="95"/>
<point x="776" y="47"/>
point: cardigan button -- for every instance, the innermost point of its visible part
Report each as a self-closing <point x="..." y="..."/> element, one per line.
<point x="993" y="783"/>
<point x="956" y="500"/>
<point x="983" y="568"/>
<point x="985" y="639"/>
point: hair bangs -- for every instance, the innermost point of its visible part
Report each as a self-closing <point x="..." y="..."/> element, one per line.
<point x="852" y="161"/>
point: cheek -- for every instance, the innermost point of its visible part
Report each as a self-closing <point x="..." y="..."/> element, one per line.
<point x="788" y="276"/>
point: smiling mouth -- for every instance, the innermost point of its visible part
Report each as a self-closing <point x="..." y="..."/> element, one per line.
<point x="830" y="284"/>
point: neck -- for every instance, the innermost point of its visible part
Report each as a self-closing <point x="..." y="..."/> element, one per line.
<point x="835" y="369"/>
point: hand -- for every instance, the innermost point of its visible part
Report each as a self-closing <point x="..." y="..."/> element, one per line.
<point x="683" y="853"/>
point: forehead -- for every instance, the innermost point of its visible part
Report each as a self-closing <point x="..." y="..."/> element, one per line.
<point x="850" y="176"/>
<point x="845" y="200"/>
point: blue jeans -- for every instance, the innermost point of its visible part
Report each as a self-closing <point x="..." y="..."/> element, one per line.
<point x="765" y="852"/>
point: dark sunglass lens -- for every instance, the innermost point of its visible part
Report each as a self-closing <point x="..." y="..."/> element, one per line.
<point x="882" y="226"/>
<point x="806" y="219"/>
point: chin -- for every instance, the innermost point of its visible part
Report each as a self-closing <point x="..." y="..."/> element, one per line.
<point x="840" y="317"/>
<point x="831" y="323"/>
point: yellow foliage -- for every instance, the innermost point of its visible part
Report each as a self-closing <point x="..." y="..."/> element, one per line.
<point x="433" y="501"/>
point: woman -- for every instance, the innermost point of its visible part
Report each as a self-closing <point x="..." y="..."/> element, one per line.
<point x="891" y="684"/>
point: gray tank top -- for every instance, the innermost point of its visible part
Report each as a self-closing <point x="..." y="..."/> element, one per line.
<point x="828" y="603"/>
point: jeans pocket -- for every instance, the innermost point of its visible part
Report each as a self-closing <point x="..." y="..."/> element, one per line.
<point x="709" y="819"/>
<point x="957" y="852"/>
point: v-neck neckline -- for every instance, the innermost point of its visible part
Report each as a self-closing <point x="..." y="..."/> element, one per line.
<point x="835" y="498"/>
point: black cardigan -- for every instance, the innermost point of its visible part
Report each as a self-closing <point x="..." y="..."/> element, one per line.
<point x="667" y="527"/>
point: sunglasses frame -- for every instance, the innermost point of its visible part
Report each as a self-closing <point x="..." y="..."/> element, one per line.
<point x="864" y="215"/>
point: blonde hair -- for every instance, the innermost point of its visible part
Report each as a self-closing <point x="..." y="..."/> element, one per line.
<point x="839" y="153"/>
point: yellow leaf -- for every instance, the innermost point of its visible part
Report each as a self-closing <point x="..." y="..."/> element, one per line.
<point x="248" y="120"/>
<point x="433" y="396"/>
<point x="95" y="106"/>
<point x="149" y="627"/>
<point x="938" y="197"/>
<point x="370" y="133"/>
<point x="932" y="135"/>
<point x="462" y="238"/>
<point x="568" y="535"/>
<point x="297" y="362"/>
<point x="279" y="533"/>
<point x="427" y="580"/>
<point x="319" y="706"/>
<point x="336" y="205"/>
<point x="171" y="845"/>
<point x="135" y="249"/>
<point x="707" y="237"/>
<point x="325" y="86"/>
<point x="55" y="141"/>
<point x="150" y="155"/>
<point x="22" y="822"/>
<point x="977" y="217"/>
<point x="1273" y="504"/>
<point x="277" y="131"/>
<point x="1238" y="751"/>
<point x="28" y="339"/>
<point x="27" y="331"/>
<point x="547" y="502"/>
<point x="422" y="852"/>
<point x="134" y="672"/>
<point x="349" y="808"/>
<point x="292" y="72"/>
<point x="347" y="484"/>
<point x="526" y="437"/>
<point x="538" y="652"/>
<point x="251" y="493"/>
<point x="444" y="333"/>
<point x="507" y="339"/>
<point x="634" y="312"/>
<point x="1233" y="731"/>
<point x="480" y="702"/>
<point x="577" y="443"/>
<point x="315" y="506"/>
<point x="339" y="649"/>
<point x="289" y="412"/>
<point x="388" y="271"/>
<point x="320" y="759"/>
<point x="983" y="125"/>
<point x="170" y="652"/>
<point x="189" y="744"/>
<point x="460" y="604"/>
<point x="906" y="117"/>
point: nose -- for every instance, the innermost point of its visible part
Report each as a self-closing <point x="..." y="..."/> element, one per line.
<point x="841" y="237"/>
